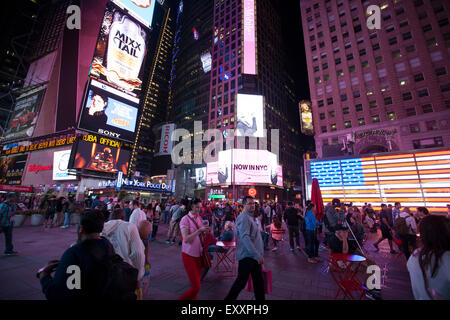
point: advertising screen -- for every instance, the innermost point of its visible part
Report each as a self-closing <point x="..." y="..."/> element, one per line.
<point x="165" y="144"/>
<point x="24" y="117"/>
<point x="60" y="165"/>
<point x="142" y="10"/>
<point x="108" y="112"/>
<point x="419" y="179"/>
<point x="12" y="168"/>
<point x="249" y="37"/>
<point x="206" y="62"/>
<point x="306" y="118"/>
<point x="100" y="154"/>
<point x="200" y="177"/>
<point x="250" y="115"/>
<point x="120" y="52"/>
<point x="245" y="167"/>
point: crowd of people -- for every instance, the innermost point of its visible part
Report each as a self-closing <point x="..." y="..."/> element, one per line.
<point x="114" y="238"/>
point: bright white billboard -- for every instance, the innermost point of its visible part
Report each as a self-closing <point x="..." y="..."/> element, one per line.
<point x="245" y="167"/>
<point x="60" y="162"/>
<point x="250" y="115"/>
<point x="142" y="10"/>
<point x="200" y="177"/>
<point x="206" y="62"/>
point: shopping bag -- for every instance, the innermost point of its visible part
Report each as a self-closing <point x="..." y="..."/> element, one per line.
<point x="267" y="278"/>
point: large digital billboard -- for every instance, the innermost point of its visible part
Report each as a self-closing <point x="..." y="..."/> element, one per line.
<point x="24" y="117"/>
<point x="250" y="115"/>
<point x="206" y="62"/>
<point x="165" y="143"/>
<point x="200" y="177"/>
<point x="245" y="167"/>
<point x="120" y="52"/>
<point x="109" y="112"/>
<point x="12" y="168"/>
<point x="415" y="179"/>
<point x="249" y="37"/>
<point x="99" y="154"/>
<point x="306" y="118"/>
<point x="142" y="10"/>
<point x="60" y="165"/>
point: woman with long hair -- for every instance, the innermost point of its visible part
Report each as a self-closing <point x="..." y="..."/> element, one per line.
<point x="193" y="231"/>
<point x="429" y="266"/>
<point x="277" y="232"/>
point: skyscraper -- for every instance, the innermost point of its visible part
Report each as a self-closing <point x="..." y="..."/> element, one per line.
<point x="378" y="90"/>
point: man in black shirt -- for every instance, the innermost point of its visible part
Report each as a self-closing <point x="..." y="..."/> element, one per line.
<point x="292" y="217"/>
<point x="386" y="226"/>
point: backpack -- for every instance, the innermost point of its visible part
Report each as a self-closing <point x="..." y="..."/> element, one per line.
<point x="115" y="279"/>
<point x="400" y="226"/>
<point x="5" y="216"/>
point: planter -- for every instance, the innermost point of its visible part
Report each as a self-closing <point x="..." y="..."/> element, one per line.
<point x="75" y="218"/>
<point x="37" y="219"/>
<point x="18" y="219"/>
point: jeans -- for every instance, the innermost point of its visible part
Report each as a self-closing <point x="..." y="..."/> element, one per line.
<point x="8" y="238"/>
<point x="193" y="267"/>
<point x="408" y="239"/>
<point x="294" y="232"/>
<point x="155" y="230"/>
<point x="265" y="238"/>
<point x="67" y="219"/>
<point x="275" y="242"/>
<point x="166" y="217"/>
<point x="247" y="267"/>
<point x="312" y="244"/>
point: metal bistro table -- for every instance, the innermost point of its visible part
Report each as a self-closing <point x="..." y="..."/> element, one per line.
<point x="225" y="265"/>
<point x="345" y="277"/>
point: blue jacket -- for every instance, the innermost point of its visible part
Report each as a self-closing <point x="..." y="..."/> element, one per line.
<point x="251" y="244"/>
<point x="310" y="220"/>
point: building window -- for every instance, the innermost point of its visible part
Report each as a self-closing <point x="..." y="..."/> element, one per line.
<point x="427" y="108"/>
<point x="443" y="22"/>
<point x="414" y="63"/>
<point x="329" y="101"/>
<point x="384" y="86"/>
<point x="376" y="46"/>
<point x="414" y="128"/>
<point x="396" y="54"/>
<point x="399" y="67"/>
<point x="422" y="92"/>
<point x="346" y="110"/>
<point x="375" y="118"/>
<point x="316" y="69"/>
<point x="403" y="81"/>
<point x="436" y="56"/>
<point x="348" y="124"/>
<point x="410" y="112"/>
<point x="386" y="17"/>
<point x="382" y="73"/>
<point x="350" y="56"/>
<point x="410" y="48"/>
<point x="326" y="77"/>
<point x="362" y="52"/>
<point x="390" y="28"/>
<point x="418" y="77"/>
<point x="428" y="143"/>
<point x="387" y="101"/>
<point x="352" y="69"/>
<point x="407" y="96"/>
<point x="322" y="116"/>
<point x="355" y="81"/>
<point x="337" y="61"/>
<point x="391" y="116"/>
<point x="432" y="42"/>
<point x="367" y="77"/>
<point x="344" y="97"/>
<point x="431" y="125"/>
<point x="320" y="103"/>
<point x="378" y="59"/>
<point x="361" y="122"/>
<point x="332" y="28"/>
<point x="441" y="71"/>
<point x="407" y="36"/>
<point x="359" y="107"/>
<point x="365" y="64"/>
<point x="323" y="129"/>
<point x="331" y="114"/>
<point x="393" y="41"/>
<point x="325" y="66"/>
<point x="342" y="85"/>
<point x="445" y="87"/>
<point x="356" y="94"/>
<point x="333" y="127"/>
<point x="373" y="104"/>
<point x="340" y="73"/>
<point x="427" y="28"/>
<point x="318" y="80"/>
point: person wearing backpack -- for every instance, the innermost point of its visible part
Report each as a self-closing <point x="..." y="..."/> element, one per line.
<point x="103" y="274"/>
<point x="7" y="211"/>
<point x="174" y="226"/>
<point x="405" y="228"/>
<point x="69" y="209"/>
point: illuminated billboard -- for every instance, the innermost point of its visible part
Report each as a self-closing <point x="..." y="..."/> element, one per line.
<point x="12" y="168"/>
<point x="120" y="52"/>
<point x="99" y="154"/>
<point x="417" y="179"/>
<point x="249" y="37"/>
<point x="306" y="118"/>
<point x="109" y="112"/>
<point x="200" y="177"/>
<point x="60" y="165"/>
<point x="250" y="115"/>
<point x="206" y="62"/>
<point x="245" y="167"/>
<point x="165" y="144"/>
<point x="24" y="117"/>
<point x="141" y="10"/>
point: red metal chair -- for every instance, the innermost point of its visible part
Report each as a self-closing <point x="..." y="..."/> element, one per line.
<point x="345" y="278"/>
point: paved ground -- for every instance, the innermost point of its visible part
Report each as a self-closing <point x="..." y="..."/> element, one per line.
<point x="293" y="277"/>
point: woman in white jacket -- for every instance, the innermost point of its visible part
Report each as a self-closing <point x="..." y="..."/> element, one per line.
<point x="124" y="236"/>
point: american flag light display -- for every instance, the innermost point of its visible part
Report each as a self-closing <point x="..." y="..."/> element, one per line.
<point x="419" y="179"/>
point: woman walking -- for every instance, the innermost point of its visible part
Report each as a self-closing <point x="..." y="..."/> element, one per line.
<point x="192" y="230"/>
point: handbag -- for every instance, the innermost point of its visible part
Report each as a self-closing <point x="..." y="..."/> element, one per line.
<point x="205" y="258"/>
<point x="267" y="278"/>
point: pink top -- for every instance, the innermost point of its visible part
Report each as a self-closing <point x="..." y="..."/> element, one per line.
<point x="194" y="249"/>
<point x="277" y="234"/>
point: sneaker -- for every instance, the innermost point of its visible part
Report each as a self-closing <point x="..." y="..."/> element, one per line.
<point x="11" y="253"/>
<point x="275" y="249"/>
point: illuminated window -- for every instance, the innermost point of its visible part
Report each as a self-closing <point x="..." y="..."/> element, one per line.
<point x="414" y="127"/>
<point x="333" y="127"/>
<point x="375" y="118"/>
<point x="407" y="96"/>
<point x="391" y="115"/>
<point x="348" y="124"/>
<point x="403" y="81"/>
<point x="361" y="122"/>
<point x="384" y="6"/>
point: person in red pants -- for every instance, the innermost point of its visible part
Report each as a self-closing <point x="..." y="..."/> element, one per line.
<point x="192" y="229"/>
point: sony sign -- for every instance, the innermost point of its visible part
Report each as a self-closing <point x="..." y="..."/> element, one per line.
<point x="165" y="147"/>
